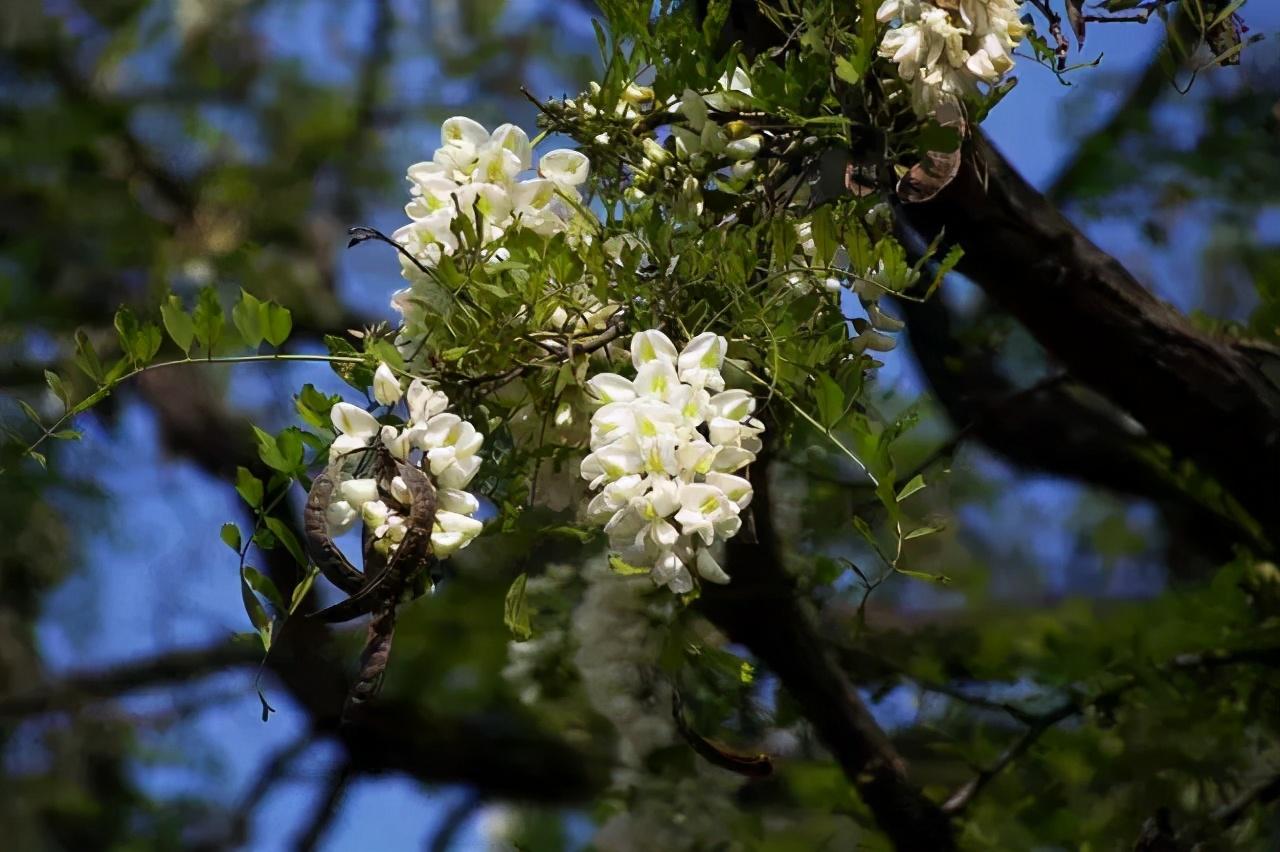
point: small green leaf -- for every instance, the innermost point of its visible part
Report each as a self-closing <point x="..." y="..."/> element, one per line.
<point x="263" y="585"/>
<point x="249" y="487"/>
<point x="277" y="322"/>
<point x="313" y="406"/>
<point x="31" y="413"/>
<point x="300" y="591"/>
<point x="916" y="484"/>
<point x="54" y="381"/>
<point x="286" y="537"/>
<point x="178" y="323"/>
<point x="207" y="320"/>
<point x="515" y="611"/>
<point x="920" y="532"/>
<point x="40" y="459"/>
<point x="830" y="399"/>
<point x="248" y="315"/>
<point x="230" y="535"/>
<point x="86" y="358"/>
<point x="254" y="609"/>
<point x="66" y="435"/>
<point x="626" y="569"/>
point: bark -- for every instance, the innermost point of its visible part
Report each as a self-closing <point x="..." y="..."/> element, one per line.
<point x="1206" y="398"/>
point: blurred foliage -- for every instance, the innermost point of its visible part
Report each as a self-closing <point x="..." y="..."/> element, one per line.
<point x="170" y="146"/>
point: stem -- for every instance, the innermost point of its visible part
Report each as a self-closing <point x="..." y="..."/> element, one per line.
<point x="80" y="408"/>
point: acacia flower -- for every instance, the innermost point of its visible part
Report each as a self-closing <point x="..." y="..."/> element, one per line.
<point x="664" y="450"/>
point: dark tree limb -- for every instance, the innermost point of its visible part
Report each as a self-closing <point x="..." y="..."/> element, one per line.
<point x="762" y="609"/>
<point x="326" y="808"/>
<point x="1204" y="397"/>
<point x="176" y="667"/>
<point x="1057" y="427"/>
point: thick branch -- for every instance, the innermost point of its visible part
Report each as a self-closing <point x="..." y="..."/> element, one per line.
<point x="76" y="690"/>
<point x="1057" y="427"/>
<point x="762" y="610"/>
<point x="1204" y="397"/>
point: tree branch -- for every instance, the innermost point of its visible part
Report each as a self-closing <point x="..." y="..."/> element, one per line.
<point x="762" y="610"/>
<point x="76" y="690"/>
<point x="1185" y="387"/>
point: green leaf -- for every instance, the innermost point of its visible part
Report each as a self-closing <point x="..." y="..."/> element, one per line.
<point x="178" y="323"/>
<point x="825" y="238"/>
<point x="920" y="532"/>
<point x="830" y="399"/>
<point x="230" y="535"/>
<point x="924" y="575"/>
<point x="917" y="483"/>
<point x="358" y="375"/>
<point x="281" y="452"/>
<point x="277" y="323"/>
<point x="54" y="381"/>
<point x="515" y="611"/>
<point x="207" y="320"/>
<point x="626" y="569"/>
<point x="31" y="413"/>
<point x="286" y="537"/>
<point x="313" y="406"/>
<point x="249" y="487"/>
<point x="254" y="609"/>
<point x="300" y="591"/>
<point x="40" y="459"/>
<point x="86" y="358"/>
<point x="90" y="401"/>
<point x="248" y="317"/>
<point x="263" y="585"/>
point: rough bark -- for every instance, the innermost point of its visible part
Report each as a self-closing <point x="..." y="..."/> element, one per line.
<point x="1206" y="398"/>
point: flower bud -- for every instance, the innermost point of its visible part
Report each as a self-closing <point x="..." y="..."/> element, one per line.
<point x="744" y="149"/>
<point x="654" y="152"/>
<point x="386" y="387"/>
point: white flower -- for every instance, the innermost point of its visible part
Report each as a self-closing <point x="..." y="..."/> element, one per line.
<point x="356" y="428"/>
<point x="340" y="516"/>
<point x="449" y="448"/>
<point x="565" y="167"/>
<point x="944" y="53"/>
<point x="662" y="454"/>
<point x="649" y="346"/>
<point x="386" y="387"/>
<point x="701" y="360"/>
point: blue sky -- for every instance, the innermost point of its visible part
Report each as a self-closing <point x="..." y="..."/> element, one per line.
<point x="134" y="598"/>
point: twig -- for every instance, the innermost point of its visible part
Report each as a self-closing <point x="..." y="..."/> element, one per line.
<point x="326" y="809"/>
<point x="1262" y="793"/>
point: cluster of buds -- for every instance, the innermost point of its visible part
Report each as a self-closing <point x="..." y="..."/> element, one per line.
<point x="701" y="147"/>
<point x="665" y="447"/>
<point x="440" y="442"/>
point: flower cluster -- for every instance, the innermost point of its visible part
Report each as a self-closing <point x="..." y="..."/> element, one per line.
<point x="944" y="53"/>
<point x="665" y="446"/>
<point x="476" y="174"/>
<point x="445" y="445"/>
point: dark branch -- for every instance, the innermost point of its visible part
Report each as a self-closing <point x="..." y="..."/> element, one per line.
<point x="177" y="667"/>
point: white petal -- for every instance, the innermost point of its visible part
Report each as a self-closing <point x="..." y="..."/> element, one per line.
<point x="709" y="569"/>
<point x="354" y="421"/>
<point x="357" y="492"/>
<point x="386" y="387"/>
<point x="565" y="167"/>
<point x="651" y="345"/>
<point x="463" y="129"/>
